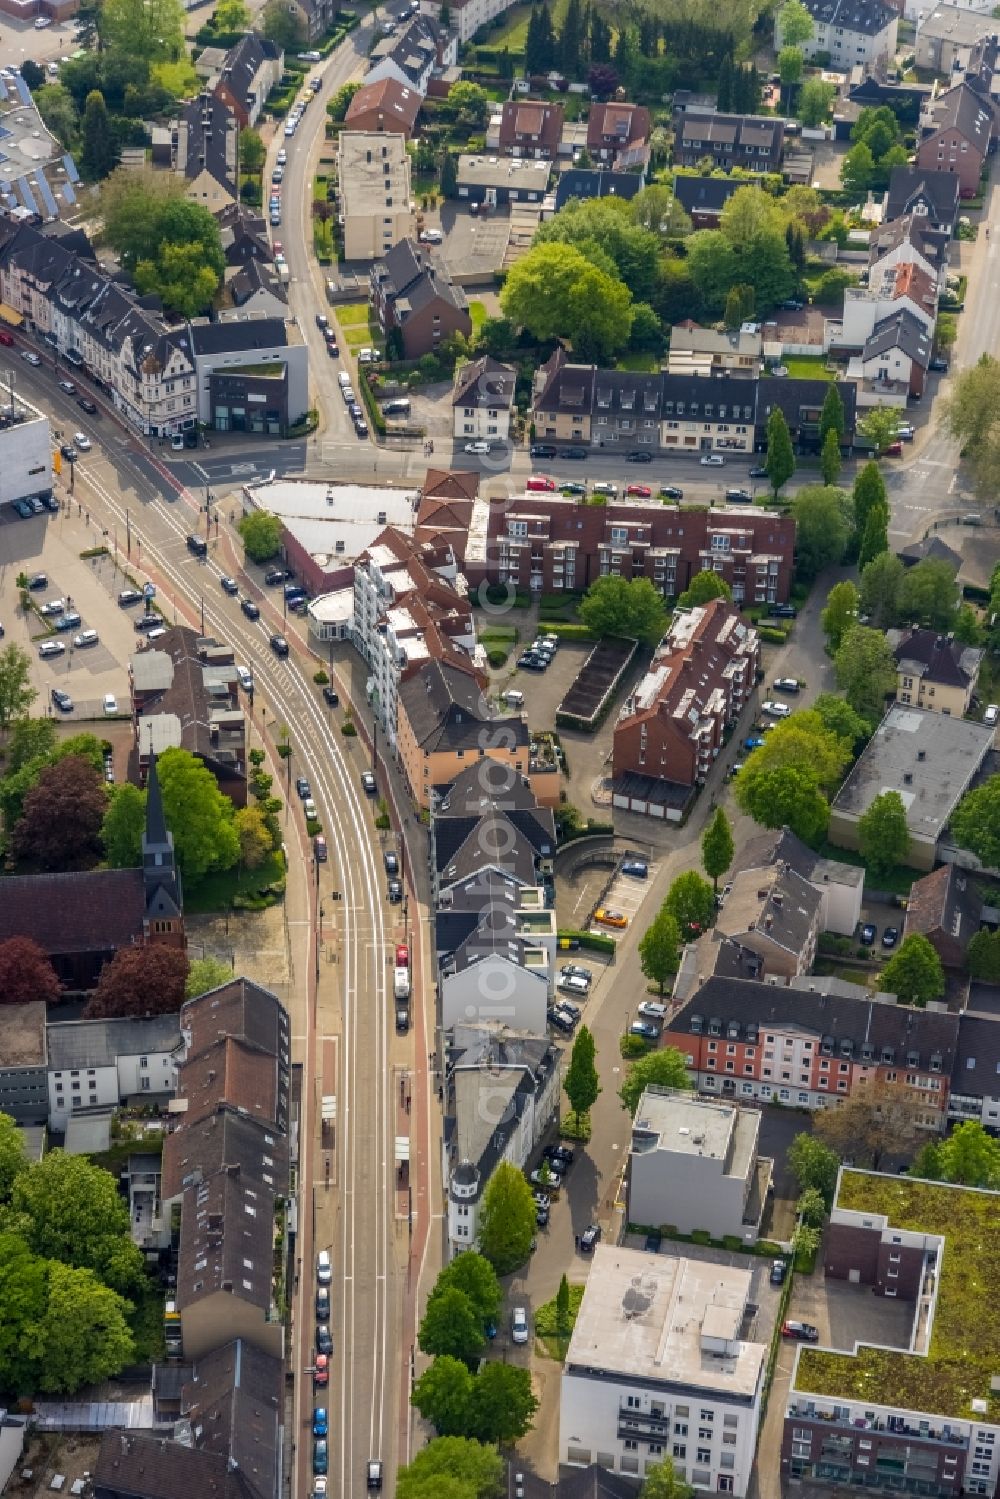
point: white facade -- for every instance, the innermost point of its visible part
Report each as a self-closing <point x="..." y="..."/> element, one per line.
<point x="656" y="1370"/>
<point x="468" y="16"/>
<point x="25" y="449"/>
<point x="293" y="355"/>
<point x="920" y="10"/>
<point x="497" y="990"/>
<point x="846" y="46"/>
<point x="374" y="174"/>
<point x="482" y="423"/>
<point x="863" y="309"/>
<point x="113" y="1077"/>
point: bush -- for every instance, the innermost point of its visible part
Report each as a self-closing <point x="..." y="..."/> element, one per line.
<point x="320" y="678"/>
<point x="497" y="657"/>
<point x="830" y="942"/>
<point x="633" y="1046"/>
<point x="772" y="634"/>
<point x="348" y="730"/>
<point x="313" y="826"/>
<point x="566" y="631"/>
<point x="591" y="941"/>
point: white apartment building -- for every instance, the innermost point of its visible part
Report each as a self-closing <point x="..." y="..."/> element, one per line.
<point x="375" y="192"/>
<point x="468" y="16"/>
<point x="25" y="447"/>
<point x="484" y="396"/>
<point x="657" y="1370"/>
<point x="505" y="983"/>
<point x="102" y="1063"/>
<point x="852" y="32"/>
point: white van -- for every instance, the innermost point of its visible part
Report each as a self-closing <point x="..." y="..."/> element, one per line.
<point x="401" y="983"/>
<point x="344" y="379"/>
<point x="571" y="983"/>
<point x="513" y="698"/>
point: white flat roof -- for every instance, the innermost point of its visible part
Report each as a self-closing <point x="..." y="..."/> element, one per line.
<point x="643" y="1316"/>
<point x="319" y="516"/>
<point x="333" y="608"/>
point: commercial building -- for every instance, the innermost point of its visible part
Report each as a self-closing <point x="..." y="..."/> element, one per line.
<point x="386" y="105"/>
<point x="414" y="298"/>
<point x="673" y="725"/>
<point x="935" y="671"/>
<point x="931" y="759"/>
<point x="921" y="1416"/>
<point x="444" y="722"/>
<point x="483" y="400"/>
<point x="749" y="1041"/>
<point x="849" y="32"/>
<point x="661" y="1365"/>
<point x="251" y="373"/>
<point x="695" y="1164"/>
<point x="38" y="177"/>
<point x="25" y="448"/>
<point x="373" y="170"/>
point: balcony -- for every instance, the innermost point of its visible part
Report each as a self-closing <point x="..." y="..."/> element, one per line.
<point x="643" y="1426"/>
<point x="896" y="1426"/>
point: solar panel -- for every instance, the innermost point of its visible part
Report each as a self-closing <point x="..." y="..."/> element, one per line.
<point x="26" y="194"/>
<point x="71" y="171"/>
<point x="45" y="192"/>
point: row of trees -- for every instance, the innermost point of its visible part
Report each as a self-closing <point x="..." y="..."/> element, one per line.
<point x="151" y="980"/>
<point x="462" y="1468"/>
<point x="167" y="244"/>
<point x="688" y="909"/>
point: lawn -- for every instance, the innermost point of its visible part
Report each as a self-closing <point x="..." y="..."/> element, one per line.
<point x="232" y="888"/>
<point x="478" y="314"/>
<point x="803" y="367"/>
<point x="352" y="313"/>
<point x="357" y="331"/>
<point x="896" y="883"/>
<point x="514" y="32"/>
<point x="639" y="363"/>
<point x="553" y="1340"/>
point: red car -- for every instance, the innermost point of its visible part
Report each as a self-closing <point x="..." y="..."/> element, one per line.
<point x="6" y="339"/>
<point x="894" y="450"/>
<point x="402" y="955"/>
<point x="542" y="483"/>
<point x="641" y="491"/>
<point x="321" y="1371"/>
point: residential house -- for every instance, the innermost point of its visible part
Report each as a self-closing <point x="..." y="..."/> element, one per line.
<point x="550" y="543"/>
<point x="248" y="73"/>
<point x="947" y="909"/>
<point x="935" y="671"/>
<point x="497" y="181"/>
<point x="251" y="372"/>
<point x="384" y="105"/>
<point x="563" y="399"/>
<point x="709" y="351"/>
<point x="695" y="1163"/>
<point x="520" y="909"/>
<point x="896" y="357"/>
<point x="597" y="182"/>
<point x="256" y="290"/>
<point x="849" y="32"/>
<point x="957" y="135"/>
<point x="626" y="408"/>
<point x="205" y="147"/>
<point x="483" y="400"/>
<point x="618" y="133"/>
<point x="501" y="1095"/>
<point x="413" y="54"/>
<point x="931" y="547"/>
<point x="530" y="127"/>
<point x="141" y="1465"/>
<point x="488" y="827"/>
<point x="185" y="696"/>
<point x="444" y="722"/>
<point x="243" y="232"/>
<point x="931" y="759"/>
<point x="373" y="170"/>
<point x="839" y="886"/>
<point x="809" y="1048"/>
<point x="904" y="99"/>
<point x="910" y="239"/>
<point x="975" y="1078"/>
<point x="672" y="726"/>
<point x="948" y="35"/>
<point x="704" y="198"/>
<point x="493" y="978"/>
<point x="919" y="1243"/>
<point x="932" y="195"/>
<point x="801" y="401"/>
<point x="651" y="1336"/>
<point x="466" y="17"/>
<point x="448" y="501"/>
<point x="708" y="415"/>
<point x="99" y="1064"/>
<point x="775" y="912"/>
<point x="751" y="142"/>
<point x="412" y="294"/>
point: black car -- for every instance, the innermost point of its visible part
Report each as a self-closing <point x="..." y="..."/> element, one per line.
<point x="324" y="1342"/>
<point x="361" y="428"/>
<point x="576" y="453"/>
<point x="50" y="502"/>
<point x="197" y="545"/>
<point x="589" y="1237"/>
<point x="890" y="936"/>
<point x="303" y="788"/>
<point x="37" y="581"/>
<point x="739" y="496"/>
<point x="391" y="862"/>
<point x="62" y="700"/>
<point x="330" y="697"/>
<point x="758" y="471"/>
<point x="69" y="452"/>
<point x="638" y="457"/>
<point x="792" y="305"/>
<point x="250" y="609"/>
<point x="279" y="645"/>
<point x="230" y="586"/>
<point x="276" y="575"/>
<point x="87" y="405"/>
<point x="779" y="1269"/>
<point x="671" y="492"/>
<point x="939" y="365"/>
<point x="128" y="597"/>
<point x="394" y="890"/>
<point x="528" y="662"/>
<point x="563" y="1155"/>
<point x="783" y="611"/>
<point x="542" y="450"/>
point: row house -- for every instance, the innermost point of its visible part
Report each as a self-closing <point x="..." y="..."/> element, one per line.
<point x="754" y="143"/>
<point x="909" y="240"/>
<point x="768" y="1043"/>
<point x="673" y="726"/>
<point x="550" y="543"/>
<point x="249" y="72"/>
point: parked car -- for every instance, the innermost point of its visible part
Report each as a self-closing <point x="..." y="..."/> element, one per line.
<point x="644" y="1028"/>
<point x="541" y="483"/>
<point x="776" y="710"/>
<point x="779" y="1269"/>
<point x="786" y="684"/>
<point x="324" y="1268"/>
<point x="571" y="985"/>
<point x="573" y="487"/>
<point x="477" y="447"/>
<point x="783" y="611"/>
<point x="276" y="575"/>
<point x="939" y="365"/>
<point x="640" y="491"/>
<point x="671" y="492"/>
<point x="576" y="971"/>
<point x="110" y="703"/>
<point x="739" y="496"/>
<point x="542" y="450"/>
<point x="321" y="1371"/>
<point x="321" y="1456"/>
<point x="321" y="1424"/>
<point x="391" y="862"/>
<point x="84" y="639"/>
<point x="324" y="1342"/>
<point x="302" y="788"/>
<point x="62" y="700"/>
<point x="650" y="1009"/>
<point x="245" y="678"/>
<point x="638" y="455"/>
<point x="319" y="849"/>
<point x="519" y="1325"/>
<point x="394" y="890"/>
<point x="330" y="697"/>
<point x="561" y="1155"/>
<point x="547" y="1180"/>
<point x="279" y="645"/>
<point x="51" y="648"/>
<point x="368" y="784"/>
<point x="637" y="868"/>
<point x="803" y="1332"/>
<point x="712" y="460"/>
<point x="868" y="934"/>
<point x="605" y="917"/>
<point x="890" y="936"/>
<point x="309" y="808"/>
<point x="991" y="715"/>
<point x="129" y="597"/>
<point x="573" y="454"/>
<point x="589" y="1237"/>
<point x="82" y="441"/>
<point x="757" y="472"/>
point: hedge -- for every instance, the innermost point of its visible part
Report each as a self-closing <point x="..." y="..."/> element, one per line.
<point x="377" y="419"/>
<point x="566" y="631"/>
<point x="593" y="941"/>
<point x="772" y="635"/>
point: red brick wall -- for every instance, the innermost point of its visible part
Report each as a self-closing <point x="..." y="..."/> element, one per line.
<point x="966" y="165"/>
<point x="847" y="1248"/>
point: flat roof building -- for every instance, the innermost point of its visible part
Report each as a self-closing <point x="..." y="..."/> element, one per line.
<point x="373" y="170"/>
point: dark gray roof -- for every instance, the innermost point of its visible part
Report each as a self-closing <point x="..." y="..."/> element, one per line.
<point x="933" y="244"/>
<point x="224" y="1140"/>
<point x="867" y="17"/>
<point x="234" y="1402"/>
<point x="447" y="711"/>
<point x="977" y="1056"/>
<point x="210" y="134"/>
<point x="963" y="109"/>
<point x="798" y="399"/>
<point x="705" y="194"/>
<point x="477" y="790"/>
<point x="484" y="383"/>
<point x="243" y="63"/>
<point x="490" y="842"/>
<point x="411" y="275"/>
<point x="238" y="335"/>
<point x="98" y="1043"/>
<point x="912" y="188"/>
<point x="903" y="331"/>
<point x="133" y="1465"/>
<point x="412" y="48"/>
<point x="936" y="658"/>
<point x="878" y="1023"/>
<point x="597" y="182"/>
<point x="254" y="276"/>
<point x="931" y="547"/>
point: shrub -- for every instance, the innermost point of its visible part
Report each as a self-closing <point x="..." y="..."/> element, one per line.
<point x="496" y="657"/>
<point x="348" y="730"/>
<point x="633" y="1046"/>
<point x="771" y="634"/>
<point x="313" y="826"/>
<point x="320" y="678"/>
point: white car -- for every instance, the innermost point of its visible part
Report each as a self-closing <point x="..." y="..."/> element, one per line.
<point x="41" y="23"/>
<point x="519" y="1325"/>
<point x="477" y="447"/>
<point x="324" y="1269"/>
<point x="110" y="704"/>
<point x="85" y="638"/>
<point x="712" y="460"/>
<point x="431" y="237"/>
<point x="282" y="157"/>
<point x="992" y="715"/>
<point x="30" y="358"/>
<point x="289" y="130"/>
<point x="368" y="356"/>
<point x="82" y="441"/>
<point x="776" y="710"/>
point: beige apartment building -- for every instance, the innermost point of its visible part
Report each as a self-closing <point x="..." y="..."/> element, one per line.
<point x="374" y="173"/>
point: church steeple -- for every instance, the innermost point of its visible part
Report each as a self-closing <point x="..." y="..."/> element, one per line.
<point x="161" y="877"/>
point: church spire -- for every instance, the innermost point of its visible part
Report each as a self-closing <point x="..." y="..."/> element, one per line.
<point x="160" y="874"/>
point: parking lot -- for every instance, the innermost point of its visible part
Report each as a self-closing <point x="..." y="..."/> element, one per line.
<point x="625" y="895"/>
<point x="847" y="1314"/>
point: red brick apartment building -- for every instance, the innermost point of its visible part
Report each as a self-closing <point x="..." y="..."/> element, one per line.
<point x="549" y="543"/>
<point x="672" y="726"/>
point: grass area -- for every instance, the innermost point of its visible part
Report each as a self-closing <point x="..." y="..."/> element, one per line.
<point x="803" y="367"/>
<point x="238" y="888"/>
<point x="353" y="313"/>
<point x="555" y="1340"/>
<point x="961" y="1361"/>
<point x="640" y="363"/>
<point x="514" y="32"/>
<point x="478" y="314"/>
<point x="896" y="883"/>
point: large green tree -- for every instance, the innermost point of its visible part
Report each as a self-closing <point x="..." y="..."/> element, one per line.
<point x="99" y="154"/>
<point x="881" y="582"/>
<point x="883" y="836"/>
<point x="914" y="972"/>
<point x="975" y="823"/>
<point x="205" y="974"/>
<point x="795" y="23"/>
<point x="982" y="956"/>
<point x="16" y="690"/>
<point x="659" y="947"/>
<point x="704" y="587"/>
<point x="784" y="796"/>
<point x="281" y="24"/>
<point x="581" y="1082"/>
<point x="866" y="671"/>
<point x="84" y="1332"/>
<point x="874" y="539"/>
<point x="13" y="1157"/>
<point x="662" y="1480"/>
<point x="631" y="609"/>
<point x="168" y="244"/>
<point x="605" y="232"/>
<point x="453" y="1468"/>
<point x="837" y="715"/>
<point x="780" y="460"/>
<point x="198" y="815"/>
<point x="556" y="292"/>
<point x="968" y="1156"/>
<point x="691" y="902"/>
<point x="830" y="461"/>
<point x="972" y="413"/>
<point x="831" y="417"/>
<point x="840" y="614"/>
<point x="476" y="1278"/>
<point x="869" y="491"/>
<point x="503" y="1402"/>
<point x="70" y="1210"/>
<point x="261" y="533"/>
<point x="665" y="1068"/>
<point x="23" y="1296"/>
<point x="148" y="31"/>
<point x="814" y="1165"/>
<point x="443" y="1396"/>
<point x="822" y="528"/>
<point x="123" y="825"/>
<point x="880" y="428"/>
<point x="506" y="1219"/>
<point x="717" y="847"/>
<point x="928" y="594"/>
<point x="451" y="1325"/>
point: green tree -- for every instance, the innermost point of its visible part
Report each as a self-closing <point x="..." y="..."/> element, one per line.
<point x="829" y="459"/>
<point x="831" y="418"/>
<point x="784" y="796"/>
<point x="231" y="16"/>
<point x="83" y="1337"/>
<point x="883" y="836"/>
<point x="571" y="39"/>
<point x="205" y="974"/>
<point x="840" y="614"/>
<point x="29" y="739"/>
<point x="659" y="948"/>
<point x="967" y="627"/>
<point x="881" y="581"/>
<point x="814" y="1165"/>
<point x="123" y="825"/>
<point x="717" y="847"/>
<point x="857" y="170"/>
<point x="261" y="533"/>
<point x="869" y="493"/>
<point x="453" y="1468"/>
<point x="866" y="671"/>
<point x="968" y="1156"/>
<point x="13" y="1159"/>
<point x="70" y="1210"/>
<point x="874" y="539"/>
<point x="99" y="154"/>
<point x="703" y="587"/>
<point x="605" y="232"/>
<point x="724" y="87"/>
<point x="562" y="1306"/>
<point x="691" y="902"/>
<point x="822" y="528"/>
<point x="972" y="414"/>
<point x="665" y="1068"/>
<point x="580" y="1080"/>
<point x="815" y="98"/>
<point x="451" y="1325"/>
<point x="16" y="691"/>
<point x="503" y="1403"/>
<point x="254" y="836"/>
<point x="839" y="718"/>
<point x="795" y="24"/>
<point x="443" y="1396"/>
<point x="811" y="1207"/>
<point x="928" y="594"/>
<point x="449" y="174"/>
<point x="982" y="956"/>
<point x="282" y="25"/>
<point x="880" y="427"/>
<point x="23" y="1295"/>
<point x="147" y="31"/>
<point x="252" y="149"/>
<point x="733" y="316"/>
<point x="476" y="1278"/>
<point x="975" y="823"/>
<point x="341" y="101"/>
<point x="662" y="1480"/>
<point x="631" y="609"/>
<point x="789" y="68"/>
<point x="58" y="109"/>
<point x="507" y="1219"/>
<point x="468" y="103"/>
<point x="913" y="973"/>
<point x="198" y="815"/>
<point x="540" y="42"/>
<point x="169" y="245"/>
<point x="780" y="461"/>
<point x="555" y="292"/>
